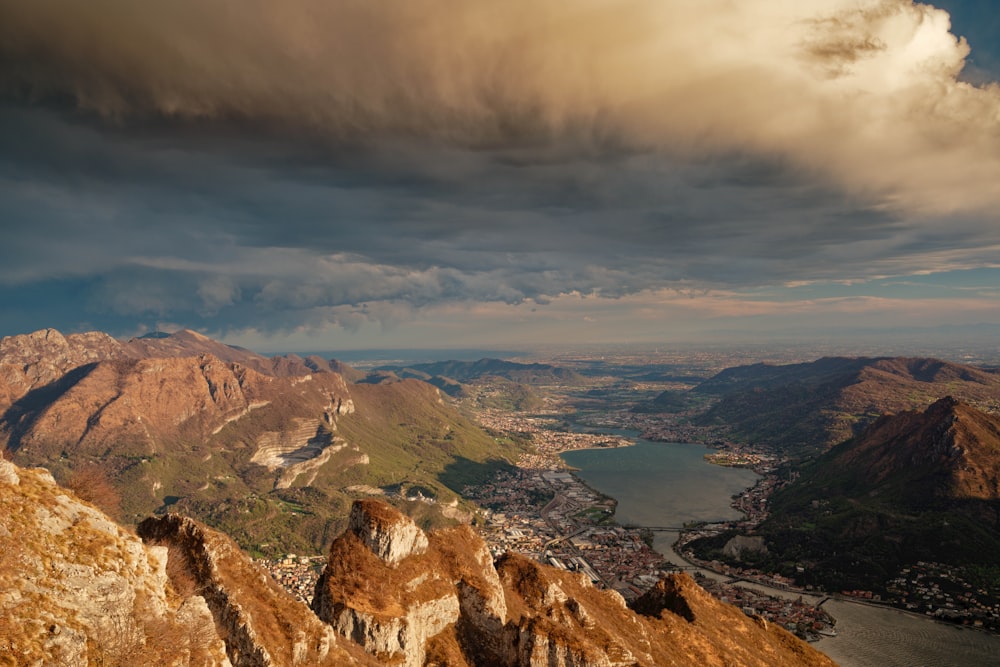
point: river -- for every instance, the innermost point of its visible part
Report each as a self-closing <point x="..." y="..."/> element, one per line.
<point x="667" y="484"/>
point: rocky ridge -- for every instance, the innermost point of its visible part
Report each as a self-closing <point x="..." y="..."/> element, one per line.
<point x="77" y="589"/>
<point x="440" y="599"/>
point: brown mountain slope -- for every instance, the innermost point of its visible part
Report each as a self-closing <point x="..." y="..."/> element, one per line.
<point x="270" y="459"/>
<point x="169" y="427"/>
<point x="807" y="408"/>
<point x="39" y="360"/>
<point x="950" y="451"/>
<point x="410" y="598"/>
<point x="917" y="486"/>
<point x="142" y="405"/>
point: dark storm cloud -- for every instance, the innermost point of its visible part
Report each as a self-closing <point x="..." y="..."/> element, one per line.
<point x="283" y="165"/>
<point x="170" y="225"/>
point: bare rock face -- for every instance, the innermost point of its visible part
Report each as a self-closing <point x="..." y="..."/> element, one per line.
<point x="740" y="544"/>
<point x="664" y="596"/>
<point x="263" y="624"/>
<point x="41" y="360"/>
<point x="398" y="599"/>
<point x="390" y="535"/>
<point x="448" y="603"/>
<point x="76" y="589"/>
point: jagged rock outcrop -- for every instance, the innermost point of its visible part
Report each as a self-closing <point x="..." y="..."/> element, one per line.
<point x="390" y="535"/>
<point x="263" y="625"/>
<point x="447" y="603"/>
<point x="77" y="589"/>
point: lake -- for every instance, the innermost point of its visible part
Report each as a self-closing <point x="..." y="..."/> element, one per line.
<point x="668" y="484"/>
<point x="662" y="484"/>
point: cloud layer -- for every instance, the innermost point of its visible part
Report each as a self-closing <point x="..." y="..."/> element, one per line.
<point x="291" y="164"/>
<point x="863" y="92"/>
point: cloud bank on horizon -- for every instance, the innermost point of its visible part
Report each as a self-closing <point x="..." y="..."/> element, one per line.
<point x="313" y="165"/>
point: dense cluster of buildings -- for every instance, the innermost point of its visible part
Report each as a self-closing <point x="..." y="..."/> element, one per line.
<point x="545" y="433"/>
<point x="802" y="618"/>
<point x="942" y="591"/>
<point x="554" y="517"/>
<point x="296" y="574"/>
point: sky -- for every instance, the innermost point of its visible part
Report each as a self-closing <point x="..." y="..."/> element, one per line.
<point x="347" y="174"/>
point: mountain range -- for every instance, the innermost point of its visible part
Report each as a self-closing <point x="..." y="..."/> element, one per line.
<point x="803" y="409"/>
<point x="270" y="449"/>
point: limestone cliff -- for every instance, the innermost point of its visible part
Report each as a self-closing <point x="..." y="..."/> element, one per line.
<point x="76" y="589"/>
<point x="440" y="599"/>
<point x="261" y="623"/>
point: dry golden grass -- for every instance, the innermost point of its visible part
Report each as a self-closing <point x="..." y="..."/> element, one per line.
<point x="90" y="483"/>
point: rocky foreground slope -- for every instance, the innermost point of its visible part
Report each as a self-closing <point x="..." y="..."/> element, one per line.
<point x="77" y="589"/>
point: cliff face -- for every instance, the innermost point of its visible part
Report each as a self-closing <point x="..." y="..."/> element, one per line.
<point x="263" y="625"/>
<point x="441" y="600"/>
<point x="76" y="589"/>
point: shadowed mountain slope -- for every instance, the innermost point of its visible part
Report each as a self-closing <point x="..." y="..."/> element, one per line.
<point x="802" y="409"/>
<point x="920" y="485"/>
